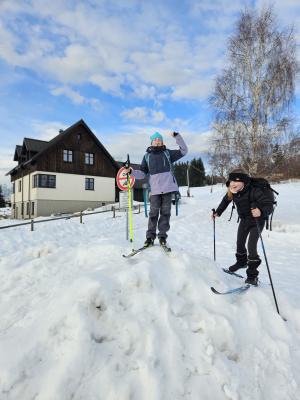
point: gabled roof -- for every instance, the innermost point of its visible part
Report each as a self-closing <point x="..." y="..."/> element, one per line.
<point x="57" y="139"/>
<point x="18" y="152"/>
<point x="34" y="145"/>
<point x="41" y="146"/>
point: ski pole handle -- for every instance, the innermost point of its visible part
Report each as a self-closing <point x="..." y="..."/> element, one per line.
<point x="126" y="164"/>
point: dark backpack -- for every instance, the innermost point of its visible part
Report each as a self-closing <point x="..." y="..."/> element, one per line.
<point x="268" y="191"/>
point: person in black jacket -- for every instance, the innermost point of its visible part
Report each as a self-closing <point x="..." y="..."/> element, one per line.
<point x="251" y="203"/>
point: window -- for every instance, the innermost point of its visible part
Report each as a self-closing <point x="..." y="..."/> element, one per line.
<point x="13" y="187"/>
<point x="32" y="208"/>
<point x="89" y="183"/>
<point x="20" y="185"/>
<point x="68" y="156"/>
<point x="44" y="181"/>
<point x="22" y="208"/>
<point x="27" y="208"/>
<point x="89" y="158"/>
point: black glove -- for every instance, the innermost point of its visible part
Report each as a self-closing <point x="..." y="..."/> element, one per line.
<point x="175" y="134"/>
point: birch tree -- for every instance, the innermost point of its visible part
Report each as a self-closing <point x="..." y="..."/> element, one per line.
<point x="253" y="94"/>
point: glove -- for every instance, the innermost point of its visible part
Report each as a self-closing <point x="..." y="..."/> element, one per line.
<point x="175" y="134"/>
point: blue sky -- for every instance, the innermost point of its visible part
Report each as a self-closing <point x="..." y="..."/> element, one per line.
<point x="127" y="67"/>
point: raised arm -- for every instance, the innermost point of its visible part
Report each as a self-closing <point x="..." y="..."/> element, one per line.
<point x="175" y="155"/>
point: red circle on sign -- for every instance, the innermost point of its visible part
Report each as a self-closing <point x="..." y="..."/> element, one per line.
<point x="122" y="179"/>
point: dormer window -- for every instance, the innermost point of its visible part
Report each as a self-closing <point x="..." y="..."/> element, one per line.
<point x="68" y="156"/>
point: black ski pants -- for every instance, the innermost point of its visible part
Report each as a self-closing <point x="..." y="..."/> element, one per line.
<point x="248" y="229"/>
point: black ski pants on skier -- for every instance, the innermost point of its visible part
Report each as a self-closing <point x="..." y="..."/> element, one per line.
<point x="159" y="216"/>
<point x="247" y="227"/>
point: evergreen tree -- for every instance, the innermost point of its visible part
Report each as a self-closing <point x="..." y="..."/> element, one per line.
<point x="197" y="173"/>
<point x="2" y="201"/>
<point x="180" y="173"/>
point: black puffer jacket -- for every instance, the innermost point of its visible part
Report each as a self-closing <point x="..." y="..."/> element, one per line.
<point x="249" y="197"/>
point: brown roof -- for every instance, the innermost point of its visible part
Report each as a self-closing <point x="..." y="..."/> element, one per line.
<point x="18" y="152"/>
<point x="35" y="145"/>
<point x="57" y="138"/>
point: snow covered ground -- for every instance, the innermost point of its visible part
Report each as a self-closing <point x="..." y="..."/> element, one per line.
<point x="78" y="321"/>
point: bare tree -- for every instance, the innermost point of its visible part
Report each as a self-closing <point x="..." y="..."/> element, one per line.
<point x="253" y="94"/>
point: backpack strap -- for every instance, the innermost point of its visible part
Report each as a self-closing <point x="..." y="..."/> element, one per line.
<point x="147" y="156"/>
<point x="167" y="154"/>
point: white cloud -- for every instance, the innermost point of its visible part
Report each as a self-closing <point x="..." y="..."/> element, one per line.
<point x="75" y="97"/>
<point x="136" y="49"/>
<point x="6" y="164"/>
<point x="143" y="114"/>
<point x="139" y="47"/>
<point x="44" y="130"/>
<point x="194" y="89"/>
<point x="135" y="140"/>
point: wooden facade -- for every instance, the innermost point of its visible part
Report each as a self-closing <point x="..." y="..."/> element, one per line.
<point x="81" y="141"/>
<point x="70" y="173"/>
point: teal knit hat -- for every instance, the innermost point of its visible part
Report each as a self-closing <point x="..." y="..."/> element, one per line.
<point x="156" y="135"/>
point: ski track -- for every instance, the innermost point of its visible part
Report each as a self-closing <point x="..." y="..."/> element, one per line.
<point x="80" y="322"/>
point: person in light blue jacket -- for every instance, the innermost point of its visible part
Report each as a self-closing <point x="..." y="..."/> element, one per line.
<point x="157" y="164"/>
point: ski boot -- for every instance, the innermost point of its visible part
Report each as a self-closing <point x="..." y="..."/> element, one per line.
<point x="241" y="262"/>
<point x="149" y="242"/>
<point x="252" y="272"/>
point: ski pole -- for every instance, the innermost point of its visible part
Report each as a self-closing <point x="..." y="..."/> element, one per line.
<point x="145" y="195"/>
<point x="127" y="165"/>
<point x="176" y="203"/>
<point x="214" y="220"/>
<point x="266" y="260"/>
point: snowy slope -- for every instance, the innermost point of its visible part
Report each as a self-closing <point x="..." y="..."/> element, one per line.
<point x="80" y="322"/>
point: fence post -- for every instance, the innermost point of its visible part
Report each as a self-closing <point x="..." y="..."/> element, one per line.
<point x="114" y="211"/>
<point x="32" y="225"/>
<point x="139" y="208"/>
<point x="81" y="217"/>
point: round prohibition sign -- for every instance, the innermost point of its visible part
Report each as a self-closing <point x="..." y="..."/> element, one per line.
<point x="122" y="179"/>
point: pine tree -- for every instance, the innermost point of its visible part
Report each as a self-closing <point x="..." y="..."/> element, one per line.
<point x="197" y="173"/>
<point x="180" y="173"/>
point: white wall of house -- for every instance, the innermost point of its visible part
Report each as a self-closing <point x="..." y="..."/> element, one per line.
<point x="68" y="195"/>
<point x="72" y="187"/>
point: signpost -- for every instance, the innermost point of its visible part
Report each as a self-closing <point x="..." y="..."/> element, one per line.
<point x="123" y="200"/>
<point x="122" y="179"/>
<point x="125" y="183"/>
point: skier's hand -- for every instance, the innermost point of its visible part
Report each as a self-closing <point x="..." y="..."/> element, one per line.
<point x="214" y="215"/>
<point x="128" y="170"/>
<point x="256" y="212"/>
<point x="173" y="134"/>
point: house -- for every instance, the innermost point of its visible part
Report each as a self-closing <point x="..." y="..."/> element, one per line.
<point x="70" y="173"/>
